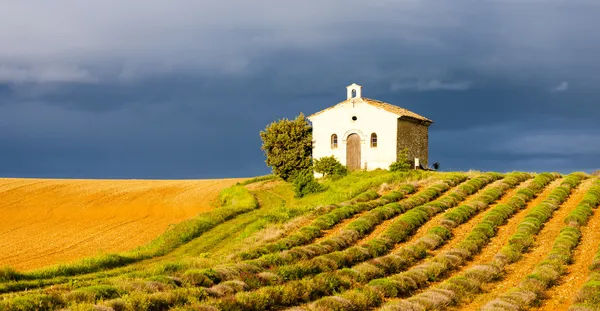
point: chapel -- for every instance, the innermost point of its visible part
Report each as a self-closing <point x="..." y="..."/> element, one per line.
<point x="367" y="134"/>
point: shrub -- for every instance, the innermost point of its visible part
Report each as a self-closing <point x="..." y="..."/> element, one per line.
<point x="288" y="146"/>
<point x="330" y="167"/>
<point x="305" y="183"/>
<point x="402" y="164"/>
<point x="436" y="166"/>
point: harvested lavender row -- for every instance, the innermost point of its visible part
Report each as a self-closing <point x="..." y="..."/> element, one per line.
<point x="471" y="281"/>
<point x="310" y="289"/>
<point x="404" y="283"/>
<point x="354" y="231"/>
<point x="547" y="272"/>
<point x="364" y="202"/>
<point x="588" y="298"/>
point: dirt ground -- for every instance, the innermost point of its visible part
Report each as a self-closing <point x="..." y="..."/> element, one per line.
<point x="49" y="221"/>
<point x="542" y="246"/>
<point x="562" y="295"/>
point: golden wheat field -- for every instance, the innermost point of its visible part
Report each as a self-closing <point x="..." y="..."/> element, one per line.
<point x="49" y="221"/>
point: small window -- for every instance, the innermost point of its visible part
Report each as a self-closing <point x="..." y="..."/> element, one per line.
<point x="333" y="141"/>
<point x="354" y="118"/>
<point x="373" y="140"/>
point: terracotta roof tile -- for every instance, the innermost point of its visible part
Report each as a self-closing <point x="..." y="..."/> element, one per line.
<point x="401" y="112"/>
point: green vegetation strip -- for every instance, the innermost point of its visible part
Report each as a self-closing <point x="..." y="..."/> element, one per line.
<point x="329" y="282"/>
<point x="324" y="222"/>
<point x="471" y="281"/>
<point x="235" y="200"/>
<point x="352" y="232"/>
<point x="588" y="298"/>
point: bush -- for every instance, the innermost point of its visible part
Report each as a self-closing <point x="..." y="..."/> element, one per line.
<point x="330" y="167"/>
<point x="288" y="146"/>
<point x="436" y="166"/>
<point x="402" y="164"/>
<point x="305" y="183"/>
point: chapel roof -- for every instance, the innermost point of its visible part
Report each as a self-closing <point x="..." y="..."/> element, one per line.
<point x="399" y="111"/>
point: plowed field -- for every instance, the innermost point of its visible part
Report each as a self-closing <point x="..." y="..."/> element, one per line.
<point x="45" y="221"/>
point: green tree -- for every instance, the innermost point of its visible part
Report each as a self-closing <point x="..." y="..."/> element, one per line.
<point x="288" y="146"/>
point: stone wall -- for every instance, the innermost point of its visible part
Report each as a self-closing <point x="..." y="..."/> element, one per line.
<point x="414" y="135"/>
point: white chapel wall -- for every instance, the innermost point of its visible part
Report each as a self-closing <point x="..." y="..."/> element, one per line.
<point x="369" y="119"/>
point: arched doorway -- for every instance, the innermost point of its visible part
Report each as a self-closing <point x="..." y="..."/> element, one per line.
<point x="353" y="152"/>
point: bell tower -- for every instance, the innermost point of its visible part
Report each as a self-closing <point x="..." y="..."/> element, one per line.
<point x="354" y="91"/>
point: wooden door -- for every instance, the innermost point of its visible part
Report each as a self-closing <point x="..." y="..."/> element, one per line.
<point x="353" y="152"/>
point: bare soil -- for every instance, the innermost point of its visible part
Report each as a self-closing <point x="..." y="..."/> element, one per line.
<point x="435" y="221"/>
<point x="561" y="296"/>
<point x="543" y="244"/>
<point x="462" y="231"/>
<point x="339" y="227"/>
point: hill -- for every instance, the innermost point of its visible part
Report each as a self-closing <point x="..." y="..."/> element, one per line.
<point x="373" y="240"/>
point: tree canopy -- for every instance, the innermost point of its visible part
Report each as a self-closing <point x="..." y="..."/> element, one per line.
<point x="288" y="146"/>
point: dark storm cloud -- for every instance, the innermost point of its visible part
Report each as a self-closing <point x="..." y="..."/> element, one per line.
<point x="181" y="89"/>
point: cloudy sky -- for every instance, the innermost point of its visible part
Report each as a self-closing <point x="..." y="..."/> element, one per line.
<point x="181" y="89"/>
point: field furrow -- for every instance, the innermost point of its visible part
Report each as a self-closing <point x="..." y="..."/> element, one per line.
<point x="410" y="241"/>
<point x="588" y="296"/>
<point x="461" y="232"/>
<point x="429" y="224"/>
<point x="507" y="230"/>
<point x="339" y="228"/>
<point x="576" y="274"/>
<point x="533" y="287"/>
<point x="368" y="297"/>
<point x="352" y="233"/>
<point x="295" y="292"/>
<point x="503" y="233"/>
<point x="336" y="216"/>
<point x="542" y="246"/>
<point x="438" y="220"/>
<point x="469" y="283"/>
